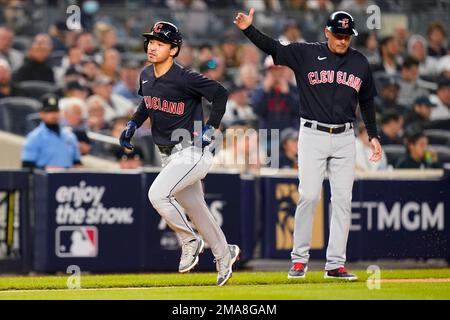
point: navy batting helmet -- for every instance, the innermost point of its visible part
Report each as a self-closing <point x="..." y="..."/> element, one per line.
<point x="342" y="22"/>
<point x="166" y="32"/>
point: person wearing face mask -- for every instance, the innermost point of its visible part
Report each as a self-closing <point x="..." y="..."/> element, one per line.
<point x="50" y="146"/>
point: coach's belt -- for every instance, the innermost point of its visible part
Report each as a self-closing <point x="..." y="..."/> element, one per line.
<point x="328" y="129"/>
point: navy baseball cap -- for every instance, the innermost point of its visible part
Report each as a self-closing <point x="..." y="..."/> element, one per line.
<point x="165" y="32"/>
<point x="424" y="100"/>
<point x="342" y="22"/>
<point x="50" y="103"/>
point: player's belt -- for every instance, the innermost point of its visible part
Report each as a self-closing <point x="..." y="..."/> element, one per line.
<point x="167" y="150"/>
<point x="328" y="129"/>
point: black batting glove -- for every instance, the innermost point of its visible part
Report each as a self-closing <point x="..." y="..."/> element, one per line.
<point x="127" y="134"/>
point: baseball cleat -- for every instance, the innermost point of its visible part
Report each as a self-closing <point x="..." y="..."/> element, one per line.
<point x="225" y="265"/>
<point x="190" y="252"/>
<point x="340" y="273"/>
<point x="298" y="270"/>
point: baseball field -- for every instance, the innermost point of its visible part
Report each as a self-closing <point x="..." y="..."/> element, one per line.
<point x="394" y="284"/>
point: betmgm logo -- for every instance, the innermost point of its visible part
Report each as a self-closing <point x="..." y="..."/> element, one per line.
<point x="287" y="197"/>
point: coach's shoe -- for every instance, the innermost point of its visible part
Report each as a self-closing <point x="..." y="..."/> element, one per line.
<point x="298" y="270"/>
<point x="340" y="273"/>
<point x="225" y="265"/>
<point x="189" y="254"/>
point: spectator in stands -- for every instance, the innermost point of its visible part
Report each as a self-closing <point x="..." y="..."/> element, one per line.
<point x="389" y="51"/>
<point x="57" y="33"/>
<point x="297" y="5"/>
<point x="363" y="152"/>
<point x="7" y="52"/>
<point x="111" y="64"/>
<point x="443" y="67"/>
<point x="238" y="109"/>
<point x="214" y="69"/>
<point x="127" y="87"/>
<point x="289" y="148"/>
<point x="291" y="32"/>
<point x="49" y="145"/>
<point x="193" y="15"/>
<point x="275" y="102"/>
<point x="117" y="106"/>
<point x="84" y="142"/>
<point x="420" y="115"/>
<point x="205" y="53"/>
<point x="35" y="66"/>
<point x="127" y="159"/>
<point x="248" y="76"/>
<point x="240" y="149"/>
<point x="417" y="49"/>
<point x="73" y="57"/>
<point x="249" y="54"/>
<point x="323" y="6"/>
<point x="367" y="43"/>
<point x="86" y="42"/>
<point x="442" y="101"/>
<point x="74" y="112"/>
<point x="90" y="69"/>
<point x="186" y="56"/>
<point x="76" y="89"/>
<point x="106" y="37"/>
<point x="355" y="6"/>
<point x="229" y="48"/>
<point x="7" y="88"/>
<point x="401" y="35"/>
<point x="391" y="127"/>
<point x="96" y="106"/>
<point x="410" y="84"/>
<point x="436" y="39"/>
<point x="418" y="155"/>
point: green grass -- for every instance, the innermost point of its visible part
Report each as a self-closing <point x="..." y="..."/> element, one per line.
<point x="243" y="285"/>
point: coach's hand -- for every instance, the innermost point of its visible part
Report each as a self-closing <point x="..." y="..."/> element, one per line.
<point x="244" y="21"/>
<point x="127" y="134"/>
<point x="377" y="151"/>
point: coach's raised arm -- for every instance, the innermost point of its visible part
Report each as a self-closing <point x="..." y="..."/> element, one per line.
<point x="262" y="41"/>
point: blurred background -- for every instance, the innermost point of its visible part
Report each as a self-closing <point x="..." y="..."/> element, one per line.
<point x="94" y="69"/>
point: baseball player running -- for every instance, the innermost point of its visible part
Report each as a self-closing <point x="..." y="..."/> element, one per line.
<point x="331" y="78"/>
<point x="172" y="99"/>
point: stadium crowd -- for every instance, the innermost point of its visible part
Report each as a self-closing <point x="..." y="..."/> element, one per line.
<point x="95" y="76"/>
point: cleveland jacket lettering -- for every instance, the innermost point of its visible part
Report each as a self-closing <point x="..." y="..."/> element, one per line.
<point x="165" y="106"/>
<point x="342" y="77"/>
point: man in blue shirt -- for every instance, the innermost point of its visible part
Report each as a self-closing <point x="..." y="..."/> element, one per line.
<point x="48" y="145"/>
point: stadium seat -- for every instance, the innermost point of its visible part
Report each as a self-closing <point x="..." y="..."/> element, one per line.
<point x="36" y="89"/>
<point x="22" y="43"/>
<point x="394" y="152"/>
<point x="14" y="112"/>
<point x="438" y="137"/>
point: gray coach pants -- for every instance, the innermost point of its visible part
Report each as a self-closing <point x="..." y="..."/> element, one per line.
<point x="319" y="153"/>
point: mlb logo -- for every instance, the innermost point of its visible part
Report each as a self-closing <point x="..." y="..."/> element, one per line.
<point x="76" y="241"/>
